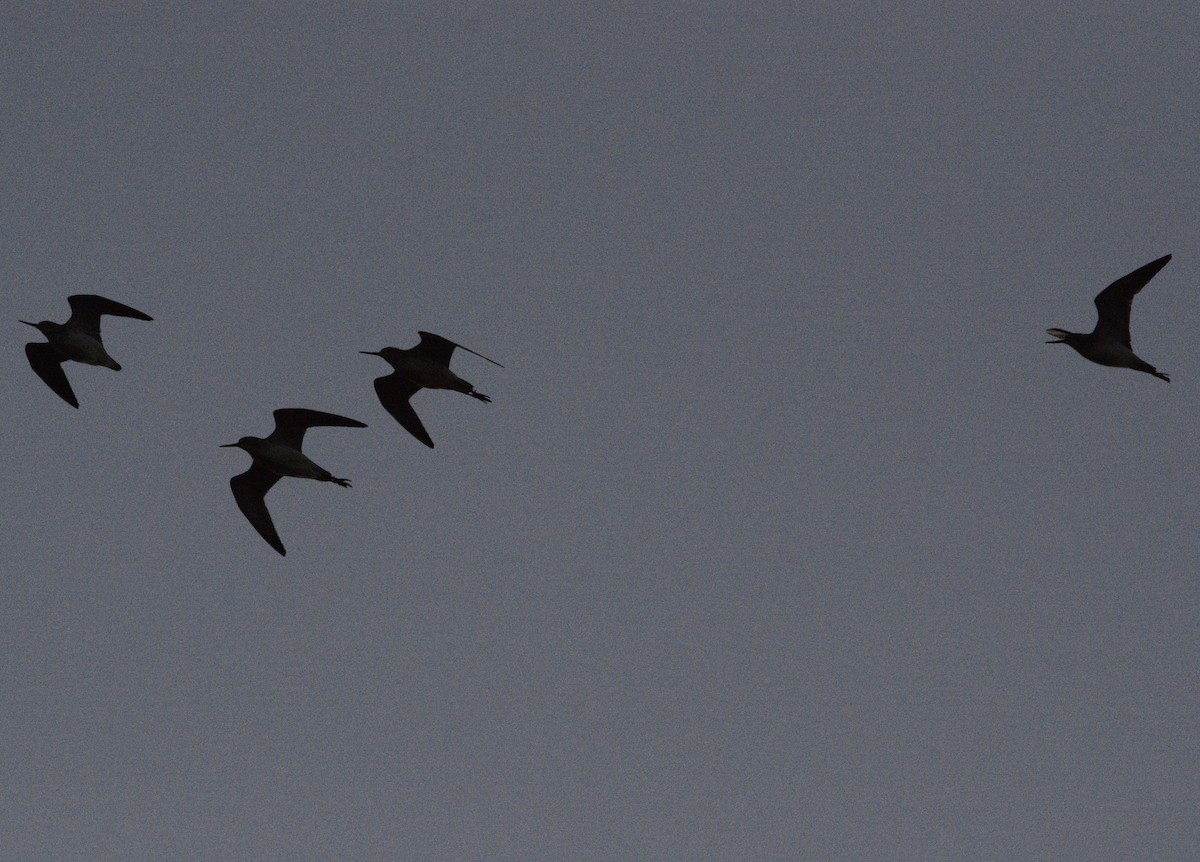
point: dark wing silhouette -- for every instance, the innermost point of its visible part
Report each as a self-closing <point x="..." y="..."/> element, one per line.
<point x="48" y="364"/>
<point x="292" y="422"/>
<point x="1115" y="302"/>
<point x="394" y="392"/>
<point x="250" y="490"/>
<point x="86" y="309"/>
<point x="439" y="349"/>
<point x="434" y="348"/>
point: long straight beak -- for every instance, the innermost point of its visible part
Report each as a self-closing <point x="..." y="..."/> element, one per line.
<point x="372" y="352"/>
<point x="228" y="446"/>
<point x="27" y="323"/>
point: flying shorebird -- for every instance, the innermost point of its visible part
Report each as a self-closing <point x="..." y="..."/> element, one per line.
<point x="276" y="456"/>
<point x="426" y="366"/>
<point x="1108" y="343"/>
<point x="77" y="339"/>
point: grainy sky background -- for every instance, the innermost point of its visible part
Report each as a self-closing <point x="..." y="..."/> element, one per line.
<point x="785" y="536"/>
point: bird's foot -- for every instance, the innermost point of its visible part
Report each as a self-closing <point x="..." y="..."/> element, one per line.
<point x="480" y="396"/>
<point x="344" y="483"/>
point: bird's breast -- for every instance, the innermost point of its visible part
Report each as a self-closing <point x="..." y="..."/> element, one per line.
<point x="287" y="461"/>
<point x="81" y="347"/>
<point x="1108" y="353"/>
<point x="428" y="374"/>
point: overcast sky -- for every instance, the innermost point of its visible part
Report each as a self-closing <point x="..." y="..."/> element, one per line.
<point x="785" y="537"/>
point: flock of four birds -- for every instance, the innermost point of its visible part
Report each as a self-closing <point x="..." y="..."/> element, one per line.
<point x="427" y="366"/>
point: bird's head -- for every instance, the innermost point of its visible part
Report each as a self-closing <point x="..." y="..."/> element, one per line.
<point x="387" y="353"/>
<point x="243" y="443"/>
<point x="42" y="326"/>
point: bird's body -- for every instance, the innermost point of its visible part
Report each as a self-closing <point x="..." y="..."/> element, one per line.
<point x="1109" y="342"/>
<point x="276" y="456"/>
<point x="77" y="340"/>
<point x="284" y="460"/>
<point x="426" y="373"/>
<point x="426" y="366"/>
<point x="78" y="346"/>
<point x="1104" y="351"/>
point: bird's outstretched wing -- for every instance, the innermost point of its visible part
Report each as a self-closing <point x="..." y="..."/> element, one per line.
<point x="86" y="309"/>
<point x="1115" y="302"/>
<point x="45" y="360"/>
<point x="394" y="392"/>
<point x="292" y="422"/>
<point x="438" y="349"/>
<point x="434" y="348"/>
<point x="250" y="490"/>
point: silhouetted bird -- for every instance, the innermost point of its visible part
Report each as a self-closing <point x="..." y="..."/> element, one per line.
<point x="279" y="455"/>
<point x="77" y="339"/>
<point x="426" y="366"/>
<point x="1108" y="343"/>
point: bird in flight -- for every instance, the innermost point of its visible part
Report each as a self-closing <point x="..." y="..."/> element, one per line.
<point x="426" y="366"/>
<point x="278" y="455"/>
<point x="78" y="339"/>
<point x="1109" y="343"/>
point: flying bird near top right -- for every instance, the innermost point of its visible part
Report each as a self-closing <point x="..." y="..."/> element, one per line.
<point x="426" y="366"/>
<point x="1109" y="343"/>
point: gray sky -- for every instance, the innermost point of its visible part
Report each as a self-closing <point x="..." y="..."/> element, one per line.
<point x="785" y="536"/>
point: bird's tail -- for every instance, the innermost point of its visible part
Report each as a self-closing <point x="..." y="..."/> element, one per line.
<point x="1139" y="364"/>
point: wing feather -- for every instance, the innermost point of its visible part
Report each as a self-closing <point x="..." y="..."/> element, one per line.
<point x="394" y="393"/>
<point x="86" y="309"/>
<point x="1114" y="304"/>
<point x="292" y="422"/>
<point x="439" y="349"/>
<point x="250" y="491"/>
<point x="47" y="363"/>
<point x="434" y="348"/>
